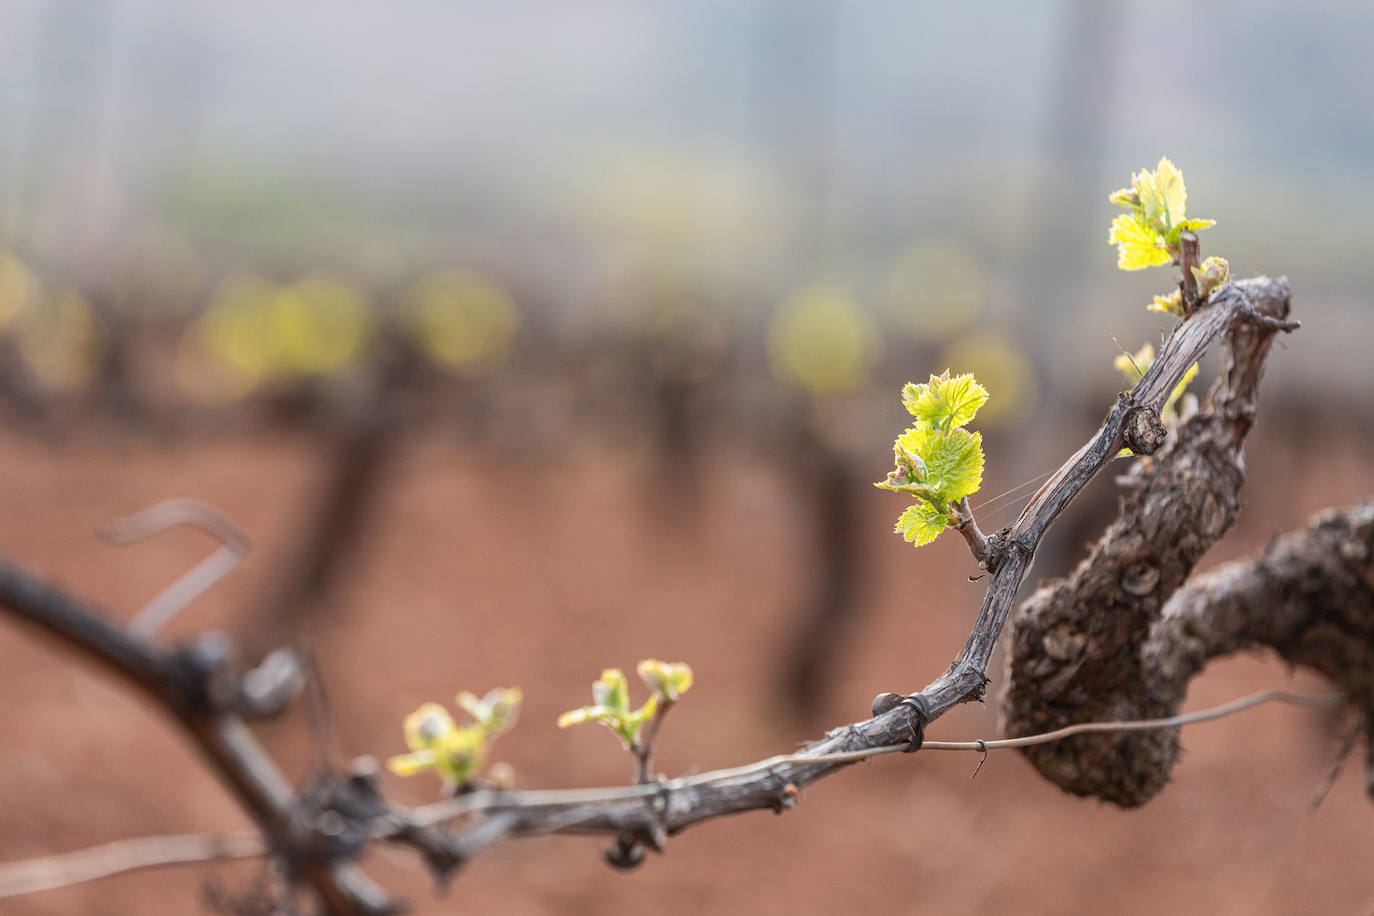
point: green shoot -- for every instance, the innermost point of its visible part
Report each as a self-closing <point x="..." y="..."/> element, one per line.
<point x="937" y="460"/>
<point x="611" y="699"/>
<point x="1148" y="235"/>
<point x="457" y="753"/>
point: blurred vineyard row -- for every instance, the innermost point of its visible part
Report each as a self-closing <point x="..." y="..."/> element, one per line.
<point x="251" y="333"/>
<point x="164" y="336"/>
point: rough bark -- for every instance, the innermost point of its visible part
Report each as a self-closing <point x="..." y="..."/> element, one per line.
<point x="1309" y="597"/>
<point x="1120" y="637"/>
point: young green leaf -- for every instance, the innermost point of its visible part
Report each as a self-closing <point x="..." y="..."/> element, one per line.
<point x="944" y="402"/>
<point x="1163" y="197"/>
<point x="954" y="461"/>
<point x="921" y="523"/>
<point x="1171" y="304"/>
<point x="1137" y="244"/>
<point x="1195" y="225"/>
<point x="612" y="718"/>
<point x="1125" y="197"/>
<point x="412" y="763"/>
<point x="612" y="690"/>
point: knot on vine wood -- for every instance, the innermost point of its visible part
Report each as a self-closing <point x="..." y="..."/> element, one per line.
<point x="920" y="709"/>
<point x="201" y="680"/>
<point x="336" y="815"/>
<point x="627" y="852"/>
<point x="1144" y="431"/>
<point x="996" y="550"/>
<point x="624" y="854"/>
<point x="204" y="680"/>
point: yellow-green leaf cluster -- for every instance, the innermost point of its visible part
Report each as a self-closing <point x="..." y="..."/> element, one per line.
<point x="667" y="681"/>
<point x="456" y="752"/>
<point x="937" y="460"/>
<point x="944" y="403"/>
<point x="1148" y="234"/>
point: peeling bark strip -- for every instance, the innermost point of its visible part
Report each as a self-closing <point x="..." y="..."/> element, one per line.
<point x="1077" y="648"/>
<point x="1084" y="635"/>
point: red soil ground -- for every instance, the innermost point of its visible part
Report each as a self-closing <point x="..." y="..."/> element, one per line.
<point x="483" y="572"/>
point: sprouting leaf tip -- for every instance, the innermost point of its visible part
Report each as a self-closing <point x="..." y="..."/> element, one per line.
<point x="667" y="680"/>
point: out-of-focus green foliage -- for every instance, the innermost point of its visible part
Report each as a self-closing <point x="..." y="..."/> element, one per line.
<point x="462" y="321"/>
<point x="319" y="326"/>
<point x="17" y="287"/>
<point x="54" y="329"/>
<point x="936" y="289"/>
<point x="1001" y="366"/>
<point x="58" y="339"/>
<point x="938" y="461"/>
<point x="263" y="332"/>
<point x="822" y="341"/>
